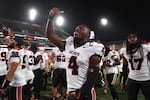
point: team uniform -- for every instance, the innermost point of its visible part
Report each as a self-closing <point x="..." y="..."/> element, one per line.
<point x="44" y="70"/>
<point x="139" y="72"/>
<point x="112" y="55"/>
<point x="29" y="75"/>
<point x="16" y="85"/>
<point x="59" y="73"/>
<point x="78" y="63"/>
<point x="112" y="72"/>
<point x="38" y="75"/>
<point x="3" y="65"/>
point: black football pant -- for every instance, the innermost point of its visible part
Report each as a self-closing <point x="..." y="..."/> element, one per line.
<point x="133" y="88"/>
<point x="37" y="83"/>
<point x="112" y="87"/>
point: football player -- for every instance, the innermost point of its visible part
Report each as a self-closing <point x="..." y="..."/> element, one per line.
<point x="112" y="61"/>
<point x="37" y="66"/>
<point x="15" y="77"/>
<point x="3" y="63"/>
<point x="138" y="56"/>
<point x="28" y="61"/>
<point x="59" y="73"/>
<point x="83" y="58"/>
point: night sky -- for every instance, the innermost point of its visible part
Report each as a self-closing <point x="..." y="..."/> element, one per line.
<point x="124" y="16"/>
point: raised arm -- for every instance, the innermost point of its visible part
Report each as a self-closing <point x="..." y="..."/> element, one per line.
<point x="50" y="28"/>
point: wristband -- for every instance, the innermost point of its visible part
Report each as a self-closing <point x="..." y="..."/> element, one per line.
<point x="5" y="83"/>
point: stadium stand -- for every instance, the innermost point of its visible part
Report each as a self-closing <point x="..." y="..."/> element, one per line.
<point x="32" y="33"/>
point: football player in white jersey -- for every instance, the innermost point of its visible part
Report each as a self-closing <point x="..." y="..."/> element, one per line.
<point x="45" y="73"/>
<point x="137" y="55"/>
<point x="59" y="73"/>
<point x="28" y="61"/>
<point x="3" y="63"/>
<point x="112" y="61"/>
<point x="15" y="77"/>
<point x="38" y="65"/>
<point x="83" y="58"/>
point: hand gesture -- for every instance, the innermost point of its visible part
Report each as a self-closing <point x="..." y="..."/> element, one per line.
<point x="55" y="11"/>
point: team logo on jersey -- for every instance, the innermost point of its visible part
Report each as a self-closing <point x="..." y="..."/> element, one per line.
<point x="74" y="53"/>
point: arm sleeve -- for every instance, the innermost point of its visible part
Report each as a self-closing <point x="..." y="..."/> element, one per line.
<point x="92" y="77"/>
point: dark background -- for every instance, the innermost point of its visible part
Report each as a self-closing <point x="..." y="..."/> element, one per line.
<point x="124" y="16"/>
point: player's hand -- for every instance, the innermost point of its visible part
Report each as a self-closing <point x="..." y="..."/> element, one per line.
<point x="55" y="11"/>
<point x="114" y="80"/>
<point x="113" y="83"/>
<point x="53" y="67"/>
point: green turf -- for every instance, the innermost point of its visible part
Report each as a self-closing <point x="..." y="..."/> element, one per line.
<point x="46" y="94"/>
<point x="108" y="96"/>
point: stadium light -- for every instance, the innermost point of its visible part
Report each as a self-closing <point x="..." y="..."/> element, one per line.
<point x="32" y="14"/>
<point x="104" y="21"/>
<point x="59" y="21"/>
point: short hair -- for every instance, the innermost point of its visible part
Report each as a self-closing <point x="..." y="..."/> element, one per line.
<point x="26" y="44"/>
<point x="19" y="40"/>
<point x="33" y="48"/>
<point x="89" y="30"/>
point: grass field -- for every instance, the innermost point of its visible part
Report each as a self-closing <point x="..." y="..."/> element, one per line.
<point x="46" y="94"/>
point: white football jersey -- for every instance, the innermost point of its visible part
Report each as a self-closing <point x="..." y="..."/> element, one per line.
<point x="112" y="55"/>
<point x="45" y="58"/>
<point x="40" y="63"/>
<point x="19" y="77"/>
<point x="78" y="62"/>
<point x="138" y="63"/>
<point x="59" y="59"/>
<point x="3" y="59"/>
<point x="28" y="61"/>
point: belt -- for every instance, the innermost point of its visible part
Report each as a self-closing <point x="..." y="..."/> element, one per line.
<point x="72" y="93"/>
<point x="75" y="94"/>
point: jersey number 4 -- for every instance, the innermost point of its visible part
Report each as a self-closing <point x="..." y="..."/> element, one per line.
<point x="73" y="65"/>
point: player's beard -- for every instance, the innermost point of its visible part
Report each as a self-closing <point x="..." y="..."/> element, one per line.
<point x="132" y="48"/>
<point x="77" y="41"/>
